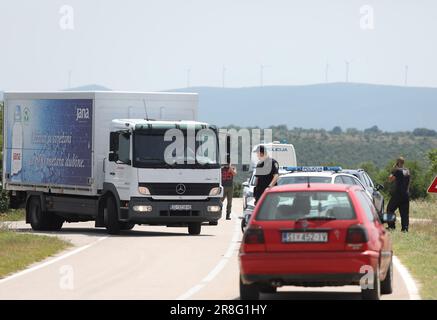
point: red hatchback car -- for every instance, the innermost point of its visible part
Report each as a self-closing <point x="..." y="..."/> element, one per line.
<point x="316" y="235"/>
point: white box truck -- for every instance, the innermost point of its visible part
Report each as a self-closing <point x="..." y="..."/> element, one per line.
<point x="99" y="156"/>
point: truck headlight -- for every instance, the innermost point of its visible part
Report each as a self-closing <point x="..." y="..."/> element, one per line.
<point x="143" y="190"/>
<point x="214" y="208"/>
<point x="142" y="208"/>
<point x="215" y="191"/>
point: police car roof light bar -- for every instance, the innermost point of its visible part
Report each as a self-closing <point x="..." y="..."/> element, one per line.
<point x="312" y="169"/>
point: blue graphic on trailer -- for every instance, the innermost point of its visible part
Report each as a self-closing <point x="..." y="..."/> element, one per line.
<point x="50" y="142"/>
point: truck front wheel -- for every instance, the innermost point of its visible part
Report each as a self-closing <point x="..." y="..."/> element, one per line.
<point x="194" y="228"/>
<point x="111" y="216"/>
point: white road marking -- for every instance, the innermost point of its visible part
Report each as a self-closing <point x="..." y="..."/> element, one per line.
<point x="45" y="264"/>
<point x="191" y="292"/>
<point x="218" y="267"/>
<point x="412" y="289"/>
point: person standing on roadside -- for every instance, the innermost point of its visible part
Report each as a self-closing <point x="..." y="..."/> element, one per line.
<point x="228" y="173"/>
<point x="266" y="173"/>
<point x="400" y="199"/>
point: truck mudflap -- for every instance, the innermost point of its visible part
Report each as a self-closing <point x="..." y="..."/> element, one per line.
<point x="167" y="212"/>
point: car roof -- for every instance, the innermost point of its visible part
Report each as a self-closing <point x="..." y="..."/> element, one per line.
<point x="352" y="171"/>
<point x="313" y="187"/>
<point x="314" y="174"/>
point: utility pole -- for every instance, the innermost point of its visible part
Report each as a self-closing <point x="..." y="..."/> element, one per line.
<point x="261" y="80"/>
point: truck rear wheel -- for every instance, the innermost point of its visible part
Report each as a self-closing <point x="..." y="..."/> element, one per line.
<point x="111" y="216"/>
<point x="42" y="220"/>
<point x="194" y="228"/>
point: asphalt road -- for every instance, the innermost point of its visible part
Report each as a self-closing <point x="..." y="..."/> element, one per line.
<point x="152" y="263"/>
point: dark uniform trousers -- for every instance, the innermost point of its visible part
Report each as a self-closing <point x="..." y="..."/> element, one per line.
<point x="404" y="209"/>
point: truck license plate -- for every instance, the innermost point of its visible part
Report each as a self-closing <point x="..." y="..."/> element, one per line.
<point x="180" y="207"/>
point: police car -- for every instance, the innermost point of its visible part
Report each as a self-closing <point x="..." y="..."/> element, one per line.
<point x="301" y="174"/>
<point x="373" y="188"/>
<point x="334" y="175"/>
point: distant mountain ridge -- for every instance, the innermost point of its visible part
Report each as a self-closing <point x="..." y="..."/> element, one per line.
<point x="320" y="106"/>
<point x="348" y="105"/>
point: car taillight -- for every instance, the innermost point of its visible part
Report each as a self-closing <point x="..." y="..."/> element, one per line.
<point x="357" y="234"/>
<point x="254" y="236"/>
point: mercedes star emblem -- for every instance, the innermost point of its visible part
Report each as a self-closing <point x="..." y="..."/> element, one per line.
<point x="180" y="188"/>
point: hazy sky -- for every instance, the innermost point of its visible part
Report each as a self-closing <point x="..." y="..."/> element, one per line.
<point x="148" y="45"/>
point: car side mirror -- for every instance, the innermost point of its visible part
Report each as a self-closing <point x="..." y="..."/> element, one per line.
<point x="388" y="217"/>
<point x="379" y="187"/>
<point x="245" y="184"/>
<point x="245" y="167"/>
<point x="113" y="157"/>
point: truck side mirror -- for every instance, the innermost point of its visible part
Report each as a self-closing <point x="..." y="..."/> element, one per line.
<point x="245" y="167"/>
<point x="113" y="157"/>
<point x="113" y="141"/>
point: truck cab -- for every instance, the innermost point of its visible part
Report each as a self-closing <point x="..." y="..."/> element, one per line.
<point x="164" y="172"/>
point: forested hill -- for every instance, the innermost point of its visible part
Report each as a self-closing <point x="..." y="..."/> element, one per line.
<point x="353" y="147"/>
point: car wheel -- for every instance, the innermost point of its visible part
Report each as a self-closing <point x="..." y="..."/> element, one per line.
<point x="194" y="228"/>
<point x="111" y="216"/>
<point x="387" y="283"/>
<point x="373" y="290"/>
<point x="249" y="291"/>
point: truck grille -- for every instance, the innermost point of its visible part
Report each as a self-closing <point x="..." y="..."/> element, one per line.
<point x="175" y="189"/>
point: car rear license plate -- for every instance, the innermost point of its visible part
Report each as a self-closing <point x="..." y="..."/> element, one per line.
<point x="294" y="237"/>
<point x="180" y="207"/>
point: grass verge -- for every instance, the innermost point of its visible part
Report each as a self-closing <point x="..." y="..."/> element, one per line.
<point x="418" y="249"/>
<point x="12" y="215"/>
<point x="19" y="250"/>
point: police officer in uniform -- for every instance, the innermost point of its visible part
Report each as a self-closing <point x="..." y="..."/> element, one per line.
<point x="266" y="173"/>
<point x="400" y="199"/>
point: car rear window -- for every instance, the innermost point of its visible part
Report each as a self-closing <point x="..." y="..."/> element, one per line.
<point x="303" y="179"/>
<point x="296" y="205"/>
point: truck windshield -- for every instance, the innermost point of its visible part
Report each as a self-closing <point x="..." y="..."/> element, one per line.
<point x="150" y="149"/>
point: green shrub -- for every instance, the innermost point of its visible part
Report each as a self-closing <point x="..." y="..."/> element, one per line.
<point x="4" y="200"/>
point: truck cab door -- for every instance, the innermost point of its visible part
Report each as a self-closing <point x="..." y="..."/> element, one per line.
<point x="118" y="166"/>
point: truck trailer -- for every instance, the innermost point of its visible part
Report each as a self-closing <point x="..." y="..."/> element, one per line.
<point x="101" y="156"/>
